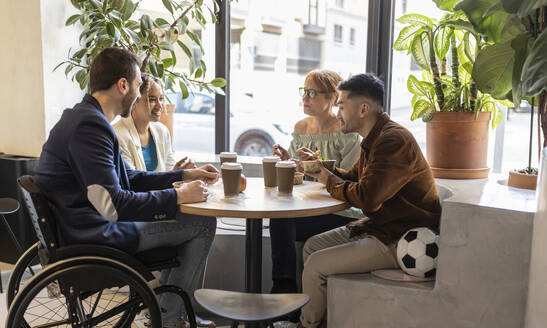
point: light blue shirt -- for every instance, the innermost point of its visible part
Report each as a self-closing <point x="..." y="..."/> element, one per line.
<point x="150" y="155"/>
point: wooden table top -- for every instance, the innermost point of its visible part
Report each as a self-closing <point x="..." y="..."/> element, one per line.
<point x="258" y="202"/>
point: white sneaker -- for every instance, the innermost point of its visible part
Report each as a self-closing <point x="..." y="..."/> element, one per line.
<point x="286" y="324"/>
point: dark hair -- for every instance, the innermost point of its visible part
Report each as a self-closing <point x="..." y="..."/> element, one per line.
<point x="366" y="85"/>
<point x="109" y="66"/>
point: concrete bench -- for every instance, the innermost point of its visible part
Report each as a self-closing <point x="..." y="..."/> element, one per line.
<point x="482" y="271"/>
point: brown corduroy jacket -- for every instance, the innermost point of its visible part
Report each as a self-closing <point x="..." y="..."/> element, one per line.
<point x="391" y="183"/>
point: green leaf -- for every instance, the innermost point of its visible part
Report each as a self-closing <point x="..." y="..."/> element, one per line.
<point x="185" y="49"/>
<point x="534" y="72"/>
<point x="405" y="37"/>
<point x="511" y="6"/>
<point x="153" y="68"/>
<point x="80" y="78"/>
<point x="413" y="19"/>
<point x="447" y="5"/>
<point x="198" y="73"/>
<point x="160" y="22"/>
<point x="415" y="87"/>
<point x="159" y="67"/>
<point x="129" y="9"/>
<point x="493" y="69"/>
<point x="183" y="89"/>
<point x="167" y="62"/>
<point x="486" y="16"/>
<point x="68" y="69"/>
<point x="110" y="29"/>
<point x="417" y="50"/>
<point x="442" y="41"/>
<point x="513" y="27"/>
<point x="146" y="23"/>
<point x="72" y="19"/>
<point x="195" y="39"/>
<point x="218" y="82"/>
<point x="460" y="24"/>
<point x="167" y="5"/>
<point x="469" y="46"/>
<point x="419" y="107"/>
<point x="520" y="45"/>
<point x="166" y="46"/>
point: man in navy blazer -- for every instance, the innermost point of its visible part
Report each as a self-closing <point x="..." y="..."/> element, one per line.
<point x="101" y="201"/>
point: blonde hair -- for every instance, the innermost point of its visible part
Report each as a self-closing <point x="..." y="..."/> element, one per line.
<point x="326" y="79"/>
<point x="147" y="80"/>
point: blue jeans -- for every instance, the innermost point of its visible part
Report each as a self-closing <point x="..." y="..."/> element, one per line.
<point x="193" y="236"/>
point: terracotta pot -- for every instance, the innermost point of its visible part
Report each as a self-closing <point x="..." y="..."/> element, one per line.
<point x="521" y="180"/>
<point x="167" y="118"/>
<point x="457" y="145"/>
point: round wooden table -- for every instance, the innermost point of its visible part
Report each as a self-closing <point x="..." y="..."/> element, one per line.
<point x="258" y="202"/>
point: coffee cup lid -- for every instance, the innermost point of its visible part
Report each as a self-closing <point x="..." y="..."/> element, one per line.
<point x="285" y="164"/>
<point x="231" y="166"/>
<point x="271" y="159"/>
<point x="227" y="154"/>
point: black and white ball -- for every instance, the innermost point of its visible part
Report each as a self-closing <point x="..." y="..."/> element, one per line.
<point x="417" y="252"/>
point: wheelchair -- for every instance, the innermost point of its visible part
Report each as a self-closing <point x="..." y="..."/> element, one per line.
<point x="84" y="285"/>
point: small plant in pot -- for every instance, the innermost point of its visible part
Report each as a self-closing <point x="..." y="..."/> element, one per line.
<point x="514" y="64"/>
<point x="446" y="98"/>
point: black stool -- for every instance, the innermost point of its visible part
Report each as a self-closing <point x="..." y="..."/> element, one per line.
<point x="8" y="206"/>
<point x="249" y="308"/>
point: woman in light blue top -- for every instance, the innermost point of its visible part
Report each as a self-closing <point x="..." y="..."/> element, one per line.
<point x="319" y="131"/>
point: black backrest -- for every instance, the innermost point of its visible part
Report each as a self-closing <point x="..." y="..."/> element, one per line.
<point x="40" y="214"/>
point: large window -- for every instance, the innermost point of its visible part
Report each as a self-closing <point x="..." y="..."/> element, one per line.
<point x="508" y="143"/>
<point x="272" y="49"/>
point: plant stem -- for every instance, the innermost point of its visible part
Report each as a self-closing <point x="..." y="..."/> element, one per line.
<point x="472" y="95"/>
<point x="435" y="73"/>
<point x="184" y="13"/>
<point x="443" y="66"/>
<point x="455" y="77"/>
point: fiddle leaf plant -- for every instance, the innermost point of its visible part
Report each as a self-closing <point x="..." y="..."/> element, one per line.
<point x="112" y="23"/>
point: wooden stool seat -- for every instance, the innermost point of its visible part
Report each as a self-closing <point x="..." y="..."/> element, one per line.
<point x="247" y="307"/>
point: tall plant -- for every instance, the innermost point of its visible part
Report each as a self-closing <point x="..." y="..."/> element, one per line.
<point x="452" y="37"/>
<point x="108" y="23"/>
<point x="514" y="65"/>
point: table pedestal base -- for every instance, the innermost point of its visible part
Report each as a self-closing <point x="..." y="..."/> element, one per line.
<point x="253" y="259"/>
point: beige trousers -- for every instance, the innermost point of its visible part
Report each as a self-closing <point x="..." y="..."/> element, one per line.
<point x="333" y="252"/>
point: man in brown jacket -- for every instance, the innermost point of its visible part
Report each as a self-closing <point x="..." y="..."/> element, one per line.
<point x="392" y="184"/>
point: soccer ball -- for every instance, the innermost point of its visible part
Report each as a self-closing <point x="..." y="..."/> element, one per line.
<point x="417" y="252"/>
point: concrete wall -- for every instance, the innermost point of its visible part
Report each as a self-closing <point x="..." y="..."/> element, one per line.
<point x="22" y="128"/>
<point x="536" y="311"/>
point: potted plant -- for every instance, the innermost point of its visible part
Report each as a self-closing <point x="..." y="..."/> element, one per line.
<point x="514" y="64"/>
<point x="456" y="113"/>
<point x="108" y="23"/>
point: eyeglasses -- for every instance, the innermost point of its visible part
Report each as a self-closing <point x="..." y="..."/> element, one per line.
<point x="312" y="93"/>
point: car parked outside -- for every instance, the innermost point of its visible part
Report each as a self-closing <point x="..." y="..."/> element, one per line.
<point x="253" y="130"/>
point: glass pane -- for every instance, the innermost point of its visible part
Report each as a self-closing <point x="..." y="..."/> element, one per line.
<point x="194" y="117"/>
<point x="272" y="49"/>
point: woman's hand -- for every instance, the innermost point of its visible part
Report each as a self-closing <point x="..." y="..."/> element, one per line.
<point x="184" y="163"/>
<point x="305" y="154"/>
<point x="281" y="152"/>
<point x="206" y="173"/>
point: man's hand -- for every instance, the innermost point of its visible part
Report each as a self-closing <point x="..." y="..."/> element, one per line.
<point x="192" y="192"/>
<point x="357" y="227"/>
<point x="206" y="173"/>
<point x="184" y="163"/>
<point x="322" y="176"/>
<point x="305" y="154"/>
<point x="281" y="152"/>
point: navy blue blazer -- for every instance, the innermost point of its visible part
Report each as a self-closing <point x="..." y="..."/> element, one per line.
<point x="96" y="194"/>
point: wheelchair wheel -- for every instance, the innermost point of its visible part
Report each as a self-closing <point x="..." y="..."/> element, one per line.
<point x="68" y="304"/>
<point x="25" y="268"/>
